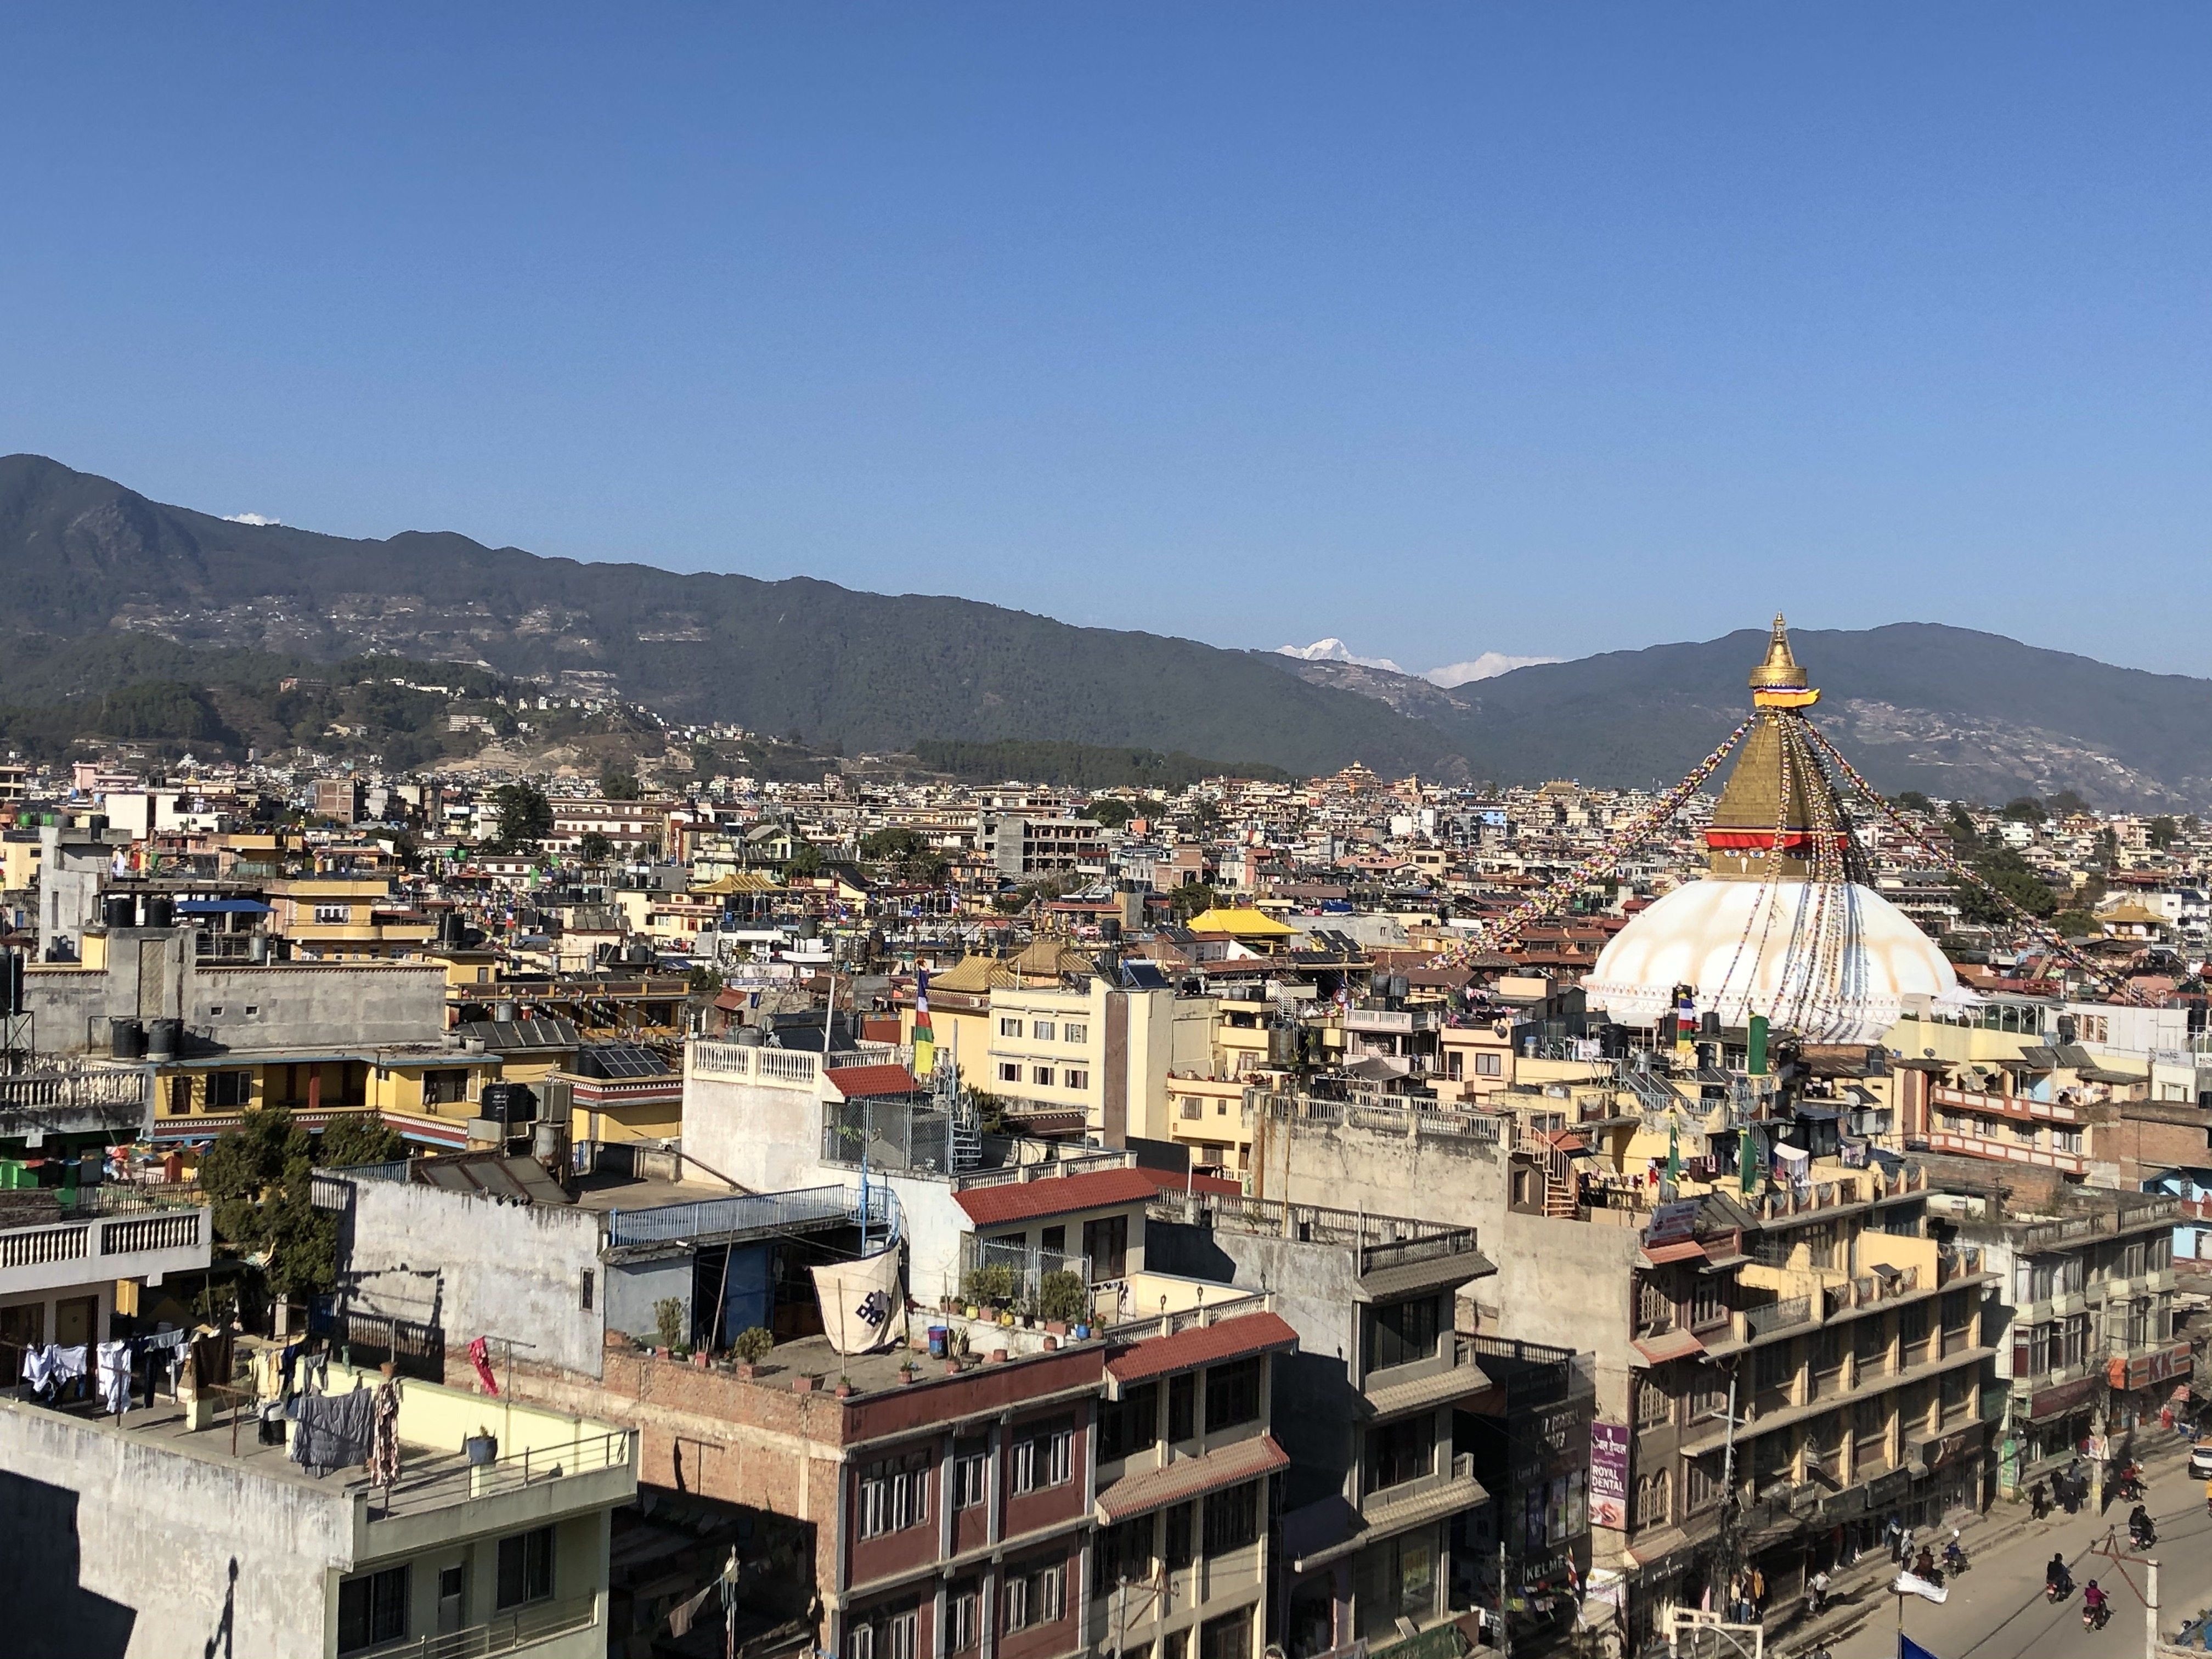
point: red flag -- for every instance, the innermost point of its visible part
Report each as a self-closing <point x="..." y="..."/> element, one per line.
<point x="480" y="1356"/>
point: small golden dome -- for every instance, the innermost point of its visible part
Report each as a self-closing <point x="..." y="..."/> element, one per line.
<point x="1780" y="671"/>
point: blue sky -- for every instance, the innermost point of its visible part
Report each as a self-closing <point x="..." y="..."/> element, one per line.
<point x="1535" y="328"/>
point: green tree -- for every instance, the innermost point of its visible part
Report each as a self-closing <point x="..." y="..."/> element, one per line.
<point x="525" y="817"/>
<point x="2025" y="809"/>
<point x="257" y="1177"/>
<point x="595" y="848"/>
<point x="2162" y="832"/>
<point x="806" y="859"/>
<point x="354" y="1139"/>
<point x="1913" y="801"/>
<point x="2065" y="804"/>
<point x="2071" y="923"/>
<point x="1111" y="811"/>
<point x="2011" y="876"/>
<point x="618" y="783"/>
<point x="1189" y="900"/>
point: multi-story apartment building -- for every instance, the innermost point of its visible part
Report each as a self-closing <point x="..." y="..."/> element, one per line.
<point x="1024" y="846"/>
<point x="1379" y="1529"/>
<point x="2090" y="1346"/>
<point x="1846" y="1326"/>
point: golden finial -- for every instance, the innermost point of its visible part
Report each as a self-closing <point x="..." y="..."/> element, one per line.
<point x="1779" y="681"/>
<point x="1780" y="671"/>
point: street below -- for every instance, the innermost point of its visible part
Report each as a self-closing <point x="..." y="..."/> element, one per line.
<point x="1996" y="1609"/>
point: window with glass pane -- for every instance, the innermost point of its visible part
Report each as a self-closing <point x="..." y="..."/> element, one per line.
<point x="371" y="1608"/>
<point x="1232" y="1518"/>
<point x="1130" y="1424"/>
<point x="1402" y="1332"/>
<point x="1177" y="1541"/>
<point x="1401" y="1451"/>
<point x="525" y="1568"/>
<point x="1183" y="1407"/>
<point x="1232" y="1394"/>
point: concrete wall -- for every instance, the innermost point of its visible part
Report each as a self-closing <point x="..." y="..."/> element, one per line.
<point x="1448" y="1178"/>
<point x="767" y="1139"/>
<point x="153" y="973"/>
<point x="474" y="1267"/>
<point x="634" y="1287"/>
<point x="113" y="1546"/>
<point x="1570" y="1284"/>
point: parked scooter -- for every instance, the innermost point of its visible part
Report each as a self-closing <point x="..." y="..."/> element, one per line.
<point x="1955" y="1556"/>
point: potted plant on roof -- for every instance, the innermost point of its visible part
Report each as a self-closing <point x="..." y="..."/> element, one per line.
<point x="909" y="1369"/>
<point x="481" y="1448"/>
<point x="844" y="1388"/>
<point x="751" y="1346"/>
<point x="1060" y="1299"/>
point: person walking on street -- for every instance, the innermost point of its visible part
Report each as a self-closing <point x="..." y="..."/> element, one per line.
<point x="1896" y="1530"/>
<point x="2039" y="1501"/>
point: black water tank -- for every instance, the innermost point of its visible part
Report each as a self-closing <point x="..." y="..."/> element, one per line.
<point x="159" y="912"/>
<point x="126" y="1039"/>
<point x="163" y="1037"/>
<point x="11" y="983"/>
<point x="119" y="910"/>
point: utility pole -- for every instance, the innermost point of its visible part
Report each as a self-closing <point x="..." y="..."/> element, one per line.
<point x="2150" y="1612"/>
<point x="1505" y="1630"/>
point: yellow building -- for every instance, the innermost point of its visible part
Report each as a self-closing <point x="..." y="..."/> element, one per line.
<point x="426" y="1092"/>
<point x="345" y="918"/>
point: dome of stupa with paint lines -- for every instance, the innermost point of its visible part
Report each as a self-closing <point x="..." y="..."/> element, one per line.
<point x="1783" y="922"/>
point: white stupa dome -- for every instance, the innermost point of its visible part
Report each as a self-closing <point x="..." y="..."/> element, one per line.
<point x="1753" y="947"/>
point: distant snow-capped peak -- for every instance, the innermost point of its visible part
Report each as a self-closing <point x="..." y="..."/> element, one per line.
<point x="1335" y="650"/>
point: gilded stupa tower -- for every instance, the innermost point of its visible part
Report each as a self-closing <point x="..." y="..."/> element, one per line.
<point x="1779" y="816"/>
<point x="1785" y="923"/>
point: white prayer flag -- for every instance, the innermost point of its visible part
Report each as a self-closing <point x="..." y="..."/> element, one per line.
<point x="1910" y="1583"/>
<point x="863" y="1308"/>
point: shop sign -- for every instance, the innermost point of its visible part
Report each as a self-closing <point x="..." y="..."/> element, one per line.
<point x="1841" y="1506"/>
<point x="2066" y="1397"/>
<point x="1888" y="1488"/>
<point x="1608" y="1475"/>
<point x="1946" y="1449"/>
<point x="1672" y="1223"/>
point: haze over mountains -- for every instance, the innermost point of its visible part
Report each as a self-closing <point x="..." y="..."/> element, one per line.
<point x="110" y="591"/>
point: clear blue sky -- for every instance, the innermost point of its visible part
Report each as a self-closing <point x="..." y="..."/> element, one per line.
<point x="1532" y="328"/>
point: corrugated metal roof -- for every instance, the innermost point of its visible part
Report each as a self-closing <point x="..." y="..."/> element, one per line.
<point x="496" y="1175"/>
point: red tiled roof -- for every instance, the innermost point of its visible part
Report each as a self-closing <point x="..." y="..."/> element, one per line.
<point x="851" y="1081"/>
<point x="1680" y="1250"/>
<point x="1169" y="1182"/>
<point x="1202" y="1345"/>
<point x="1191" y="1477"/>
<point x="1675" y="1345"/>
<point x="1024" y="1200"/>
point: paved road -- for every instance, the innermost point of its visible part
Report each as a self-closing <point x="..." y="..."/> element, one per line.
<point x="1996" y="1609"/>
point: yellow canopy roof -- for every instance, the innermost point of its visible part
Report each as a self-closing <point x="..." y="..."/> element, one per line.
<point x="741" y="881"/>
<point x="1244" y="924"/>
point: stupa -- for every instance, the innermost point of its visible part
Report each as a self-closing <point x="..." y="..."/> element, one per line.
<point x="1784" y="923"/>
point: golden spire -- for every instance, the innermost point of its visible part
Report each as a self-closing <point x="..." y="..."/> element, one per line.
<point x="1779" y="681"/>
<point x="1780" y="671"/>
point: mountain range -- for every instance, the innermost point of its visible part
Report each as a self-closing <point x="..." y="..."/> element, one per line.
<point x="119" y="602"/>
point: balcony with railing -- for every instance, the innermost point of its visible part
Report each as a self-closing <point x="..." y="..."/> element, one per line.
<point x="1445" y="1490"/>
<point x="504" y="1633"/>
<point x="50" y="1240"/>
